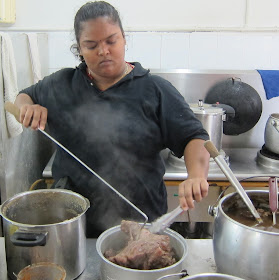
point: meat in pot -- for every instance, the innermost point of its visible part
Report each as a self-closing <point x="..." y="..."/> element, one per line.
<point x="144" y="250"/>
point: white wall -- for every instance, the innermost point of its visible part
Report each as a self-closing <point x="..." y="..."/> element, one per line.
<point x="156" y="15"/>
<point x="196" y="34"/>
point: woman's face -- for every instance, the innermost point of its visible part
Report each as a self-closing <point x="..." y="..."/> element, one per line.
<point x="102" y="46"/>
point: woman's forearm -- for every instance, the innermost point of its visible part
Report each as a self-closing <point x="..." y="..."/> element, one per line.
<point x="196" y="159"/>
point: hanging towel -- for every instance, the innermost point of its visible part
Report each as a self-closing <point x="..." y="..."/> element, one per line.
<point x="34" y="56"/>
<point x="10" y="82"/>
<point x="270" y="79"/>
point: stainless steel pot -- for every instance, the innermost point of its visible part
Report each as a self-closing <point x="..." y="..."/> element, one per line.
<point x="45" y="226"/>
<point x="241" y="250"/>
<point x="212" y="119"/>
<point x="115" y="238"/>
<point x="271" y="134"/>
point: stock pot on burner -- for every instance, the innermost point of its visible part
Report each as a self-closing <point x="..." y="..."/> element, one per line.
<point x="271" y="134"/>
<point x="241" y="250"/>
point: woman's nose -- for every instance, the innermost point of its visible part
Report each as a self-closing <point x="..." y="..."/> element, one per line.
<point x="103" y="49"/>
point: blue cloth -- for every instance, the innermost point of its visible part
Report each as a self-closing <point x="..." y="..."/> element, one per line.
<point x="270" y="80"/>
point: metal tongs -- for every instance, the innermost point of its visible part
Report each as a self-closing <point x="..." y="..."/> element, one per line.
<point x="165" y="221"/>
<point x="231" y="177"/>
<point x="273" y="197"/>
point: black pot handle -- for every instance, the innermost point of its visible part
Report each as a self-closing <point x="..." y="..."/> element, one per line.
<point x="28" y="239"/>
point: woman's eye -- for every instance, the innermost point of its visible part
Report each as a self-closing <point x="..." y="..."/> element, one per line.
<point x="91" y="47"/>
<point x="110" y="42"/>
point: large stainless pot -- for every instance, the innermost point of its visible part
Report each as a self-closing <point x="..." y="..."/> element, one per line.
<point x="240" y="250"/>
<point x="45" y="226"/>
<point x="115" y="238"/>
<point x="212" y="118"/>
<point x="271" y="134"/>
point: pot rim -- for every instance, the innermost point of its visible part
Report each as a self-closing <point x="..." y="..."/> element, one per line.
<point x="22" y="226"/>
<point x="169" y="231"/>
<point x="212" y="274"/>
<point x="275" y="116"/>
<point x="238" y="223"/>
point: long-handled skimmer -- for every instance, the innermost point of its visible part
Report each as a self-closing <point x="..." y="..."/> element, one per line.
<point x="13" y="109"/>
<point x="231" y="177"/>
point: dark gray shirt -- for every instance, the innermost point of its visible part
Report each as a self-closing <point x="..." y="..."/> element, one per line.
<point x="119" y="133"/>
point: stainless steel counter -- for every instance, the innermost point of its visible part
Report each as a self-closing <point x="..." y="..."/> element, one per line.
<point x="200" y="259"/>
<point x="242" y="162"/>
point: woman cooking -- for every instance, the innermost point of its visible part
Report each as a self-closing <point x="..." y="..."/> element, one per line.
<point x="117" y="118"/>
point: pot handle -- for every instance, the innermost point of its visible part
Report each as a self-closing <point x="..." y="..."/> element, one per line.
<point x="28" y="239"/>
<point x="181" y="274"/>
<point x="212" y="210"/>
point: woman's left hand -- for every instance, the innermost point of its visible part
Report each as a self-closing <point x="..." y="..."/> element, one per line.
<point x="197" y="163"/>
<point x="190" y="190"/>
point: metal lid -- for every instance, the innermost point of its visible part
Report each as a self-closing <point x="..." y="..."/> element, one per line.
<point x="203" y="108"/>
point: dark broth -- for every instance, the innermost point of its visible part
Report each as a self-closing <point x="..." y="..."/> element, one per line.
<point x="236" y="209"/>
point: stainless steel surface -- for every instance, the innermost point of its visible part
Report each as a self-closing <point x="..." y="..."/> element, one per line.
<point x="194" y="85"/>
<point x="242" y="162"/>
<point x="113" y="238"/>
<point x="243" y="251"/>
<point x="271" y="133"/>
<point x="200" y="259"/>
<point x="57" y="218"/>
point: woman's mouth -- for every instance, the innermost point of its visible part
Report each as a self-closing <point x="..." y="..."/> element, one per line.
<point x="105" y="62"/>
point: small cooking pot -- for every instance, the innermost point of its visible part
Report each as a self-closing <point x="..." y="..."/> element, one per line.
<point x="247" y="252"/>
<point x="45" y="226"/>
<point x="114" y="238"/>
<point x="271" y="134"/>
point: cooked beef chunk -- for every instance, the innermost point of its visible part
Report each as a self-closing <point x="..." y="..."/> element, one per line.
<point x="144" y="250"/>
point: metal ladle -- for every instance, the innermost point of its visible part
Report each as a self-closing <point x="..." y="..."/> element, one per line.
<point x="14" y="110"/>
<point x="231" y="177"/>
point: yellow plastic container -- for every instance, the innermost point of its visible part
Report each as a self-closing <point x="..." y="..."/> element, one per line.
<point x="42" y="271"/>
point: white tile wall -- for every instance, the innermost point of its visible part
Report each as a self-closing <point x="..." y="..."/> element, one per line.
<point x="257" y="50"/>
<point x="147" y="48"/>
<point x="177" y="50"/>
<point x="230" y="51"/>
<point x="203" y="50"/>
<point x="60" y="55"/>
<point x="274" y="53"/>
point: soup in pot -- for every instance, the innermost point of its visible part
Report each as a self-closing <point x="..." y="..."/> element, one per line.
<point x="236" y="209"/>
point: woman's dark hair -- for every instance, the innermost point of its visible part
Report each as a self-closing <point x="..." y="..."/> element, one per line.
<point x="93" y="10"/>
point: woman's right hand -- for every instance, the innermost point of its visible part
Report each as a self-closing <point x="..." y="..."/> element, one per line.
<point x="33" y="115"/>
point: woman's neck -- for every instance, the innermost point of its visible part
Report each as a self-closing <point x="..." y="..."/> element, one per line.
<point x="104" y="83"/>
